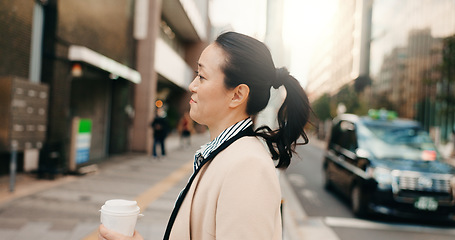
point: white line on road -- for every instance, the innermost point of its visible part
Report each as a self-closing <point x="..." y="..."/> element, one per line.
<point x="365" y="224"/>
<point x="295" y="220"/>
<point x="311" y="196"/>
<point x="297" y="180"/>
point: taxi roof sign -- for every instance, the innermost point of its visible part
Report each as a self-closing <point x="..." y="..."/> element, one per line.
<point x="382" y="114"/>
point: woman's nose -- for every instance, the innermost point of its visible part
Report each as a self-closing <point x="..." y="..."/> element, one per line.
<point x="192" y="87"/>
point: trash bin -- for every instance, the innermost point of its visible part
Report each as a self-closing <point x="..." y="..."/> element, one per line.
<point x="50" y="159"/>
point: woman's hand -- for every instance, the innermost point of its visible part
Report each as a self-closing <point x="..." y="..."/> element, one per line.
<point x="106" y="234"/>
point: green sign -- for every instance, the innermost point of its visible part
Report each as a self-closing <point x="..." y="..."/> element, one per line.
<point x="83" y="139"/>
<point x="85" y="126"/>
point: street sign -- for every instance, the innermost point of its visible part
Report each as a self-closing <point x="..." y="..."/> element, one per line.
<point x="80" y="142"/>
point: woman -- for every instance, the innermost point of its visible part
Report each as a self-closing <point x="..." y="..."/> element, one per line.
<point x="234" y="191"/>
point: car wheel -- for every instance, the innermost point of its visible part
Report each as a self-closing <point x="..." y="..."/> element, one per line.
<point x="358" y="202"/>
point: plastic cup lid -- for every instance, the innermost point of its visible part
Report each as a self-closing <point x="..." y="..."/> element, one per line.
<point x="120" y="206"/>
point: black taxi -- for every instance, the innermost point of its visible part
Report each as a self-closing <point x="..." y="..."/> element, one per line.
<point x="389" y="166"/>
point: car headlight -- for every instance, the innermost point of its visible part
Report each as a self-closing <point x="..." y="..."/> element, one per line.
<point x="383" y="176"/>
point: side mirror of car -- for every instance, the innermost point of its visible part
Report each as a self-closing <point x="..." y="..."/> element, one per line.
<point x="362" y="153"/>
<point x="362" y="156"/>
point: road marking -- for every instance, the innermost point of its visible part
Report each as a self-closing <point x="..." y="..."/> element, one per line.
<point x="365" y="224"/>
<point x="295" y="220"/>
<point x="296" y="179"/>
<point x="311" y="196"/>
<point x="156" y="191"/>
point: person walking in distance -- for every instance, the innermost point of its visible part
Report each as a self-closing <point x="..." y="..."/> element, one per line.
<point x="234" y="192"/>
<point x="160" y="130"/>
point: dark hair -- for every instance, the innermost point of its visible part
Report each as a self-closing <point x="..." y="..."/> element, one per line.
<point x="249" y="62"/>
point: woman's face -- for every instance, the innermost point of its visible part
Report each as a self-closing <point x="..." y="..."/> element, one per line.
<point x="210" y="98"/>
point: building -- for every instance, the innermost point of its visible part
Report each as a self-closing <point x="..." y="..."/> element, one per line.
<point x="392" y="70"/>
<point x="105" y="63"/>
<point x="411" y="58"/>
<point x="404" y="48"/>
<point x="342" y="54"/>
<point x="179" y="33"/>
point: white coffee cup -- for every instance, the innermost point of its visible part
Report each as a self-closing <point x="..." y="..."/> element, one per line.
<point x="120" y="215"/>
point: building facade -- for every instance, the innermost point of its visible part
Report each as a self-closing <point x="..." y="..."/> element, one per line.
<point x="412" y="60"/>
<point x="178" y="32"/>
<point x="104" y="62"/>
<point x="403" y="49"/>
<point x="342" y="53"/>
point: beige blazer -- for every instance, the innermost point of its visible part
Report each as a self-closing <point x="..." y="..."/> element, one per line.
<point x="235" y="196"/>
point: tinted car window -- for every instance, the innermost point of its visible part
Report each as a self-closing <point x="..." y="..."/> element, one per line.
<point x="344" y="135"/>
<point x="398" y="142"/>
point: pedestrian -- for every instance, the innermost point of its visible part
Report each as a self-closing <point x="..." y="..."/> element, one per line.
<point x="160" y="130"/>
<point x="185" y="128"/>
<point x="234" y="192"/>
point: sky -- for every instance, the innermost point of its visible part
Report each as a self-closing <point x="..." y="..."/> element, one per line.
<point x="303" y="22"/>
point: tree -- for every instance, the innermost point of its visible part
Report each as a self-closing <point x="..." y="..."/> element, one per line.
<point x="382" y="101"/>
<point x="321" y="107"/>
<point x="349" y="97"/>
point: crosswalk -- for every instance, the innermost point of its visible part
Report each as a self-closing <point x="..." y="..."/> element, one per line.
<point x="366" y="224"/>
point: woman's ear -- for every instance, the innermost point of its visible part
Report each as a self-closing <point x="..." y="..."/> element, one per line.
<point x="240" y="95"/>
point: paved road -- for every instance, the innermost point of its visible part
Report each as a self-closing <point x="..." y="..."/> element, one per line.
<point x="331" y="210"/>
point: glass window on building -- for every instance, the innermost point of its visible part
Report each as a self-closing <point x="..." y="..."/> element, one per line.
<point x="171" y="38"/>
<point x="413" y="49"/>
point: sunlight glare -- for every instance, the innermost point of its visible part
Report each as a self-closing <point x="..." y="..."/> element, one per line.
<point x="304" y="22"/>
<point x="305" y="19"/>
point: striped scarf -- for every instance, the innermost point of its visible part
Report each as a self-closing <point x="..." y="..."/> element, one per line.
<point x="228" y="133"/>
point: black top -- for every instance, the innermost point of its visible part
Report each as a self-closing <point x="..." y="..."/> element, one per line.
<point x="160" y="127"/>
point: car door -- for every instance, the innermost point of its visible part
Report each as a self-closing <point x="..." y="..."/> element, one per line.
<point x="344" y="146"/>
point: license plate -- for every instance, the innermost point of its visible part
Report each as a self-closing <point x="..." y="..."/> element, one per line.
<point x="426" y="203"/>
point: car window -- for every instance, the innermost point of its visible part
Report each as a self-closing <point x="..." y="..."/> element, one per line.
<point x="398" y="142"/>
<point x="344" y="135"/>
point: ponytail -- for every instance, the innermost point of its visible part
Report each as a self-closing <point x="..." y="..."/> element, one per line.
<point x="292" y="118"/>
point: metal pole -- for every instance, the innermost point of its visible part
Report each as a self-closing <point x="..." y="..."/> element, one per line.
<point x="12" y="170"/>
<point x="36" y="43"/>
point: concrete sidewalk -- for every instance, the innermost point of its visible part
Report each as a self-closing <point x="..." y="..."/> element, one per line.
<point x="67" y="208"/>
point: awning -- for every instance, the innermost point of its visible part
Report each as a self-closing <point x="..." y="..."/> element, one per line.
<point x="83" y="54"/>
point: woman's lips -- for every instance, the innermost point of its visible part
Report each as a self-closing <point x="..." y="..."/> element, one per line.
<point x="192" y="101"/>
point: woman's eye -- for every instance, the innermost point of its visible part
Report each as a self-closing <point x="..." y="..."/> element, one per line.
<point x="199" y="75"/>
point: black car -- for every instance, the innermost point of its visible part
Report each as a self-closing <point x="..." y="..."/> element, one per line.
<point x="389" y="166"/>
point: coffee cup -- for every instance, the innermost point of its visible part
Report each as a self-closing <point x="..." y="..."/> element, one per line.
<point x="120" y="215"/>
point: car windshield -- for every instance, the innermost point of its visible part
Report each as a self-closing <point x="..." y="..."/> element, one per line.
<point x="397" y="142"/>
